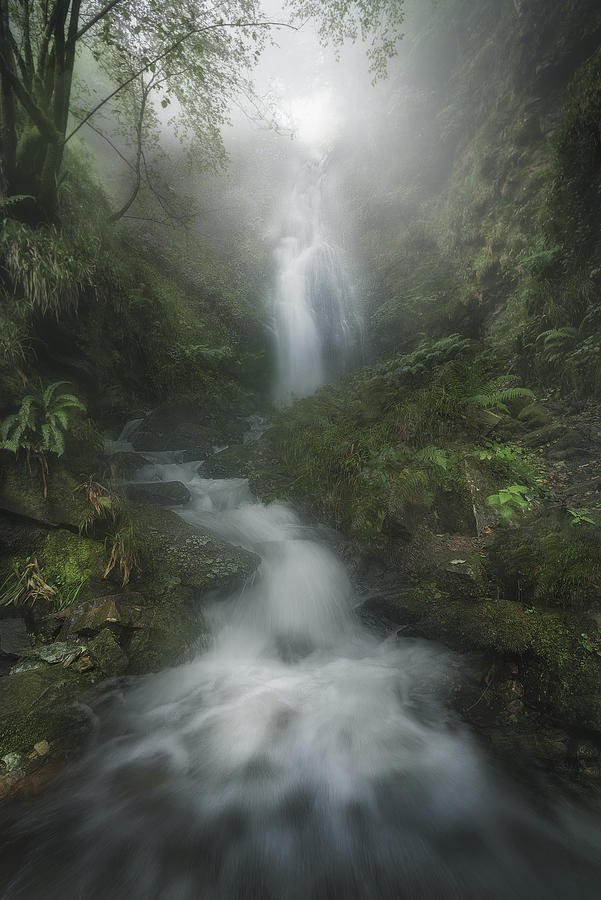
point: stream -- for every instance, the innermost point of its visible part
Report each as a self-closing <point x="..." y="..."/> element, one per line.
<point x="303" y="755"/>
<point x="300" y="756"/>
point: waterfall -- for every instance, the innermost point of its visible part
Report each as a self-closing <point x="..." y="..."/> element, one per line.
<point x="316" y="317"/>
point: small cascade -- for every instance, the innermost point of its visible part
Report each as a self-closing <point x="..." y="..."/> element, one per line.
<point x="316" y="317"/>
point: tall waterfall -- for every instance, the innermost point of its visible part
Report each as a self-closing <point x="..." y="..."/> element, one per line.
<point x="316" y="318"/>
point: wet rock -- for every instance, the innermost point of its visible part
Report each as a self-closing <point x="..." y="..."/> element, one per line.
<point x="124" y="465"/>
<point x="115" y="612"/>
<point x="185" y="425"/>
<point x="39" y="705"/>
<point x="14" y="639"/>
<point x="49" y="655"/>
<point x="232" y="462"/>
<point x="107" y="654"/>
<point x="172" y="637"/>
<point x="162" y="493"/>
<point x="174" y="552"/>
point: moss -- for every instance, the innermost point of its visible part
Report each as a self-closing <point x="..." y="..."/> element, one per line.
<point x="39" y="705"/>
<point x="534" y="416"/>
<point x="70" y="560"/>
<point x="21" y="491"/>
<point x="172" y="637"/>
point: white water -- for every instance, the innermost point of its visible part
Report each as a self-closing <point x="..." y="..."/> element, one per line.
<point x="316" y="318"/>
<point x="300" y="758"/>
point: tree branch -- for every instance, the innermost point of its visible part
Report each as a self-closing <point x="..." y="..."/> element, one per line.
<point x="100" y="15"/>
<point x="167" y="52"/>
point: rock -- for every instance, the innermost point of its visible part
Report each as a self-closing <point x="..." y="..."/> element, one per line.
<point x="14" y="639"/>
<point x="41" y="748"/>
<point x="21" y="493"/>
<point x="185" y="425"/>
<point x="534" y="416"/>
<point x="11" y="761"/>
<point x="172" y="637"/>
<point x="161" y="493"/>
<point x="115" y="612"/>
<point x="545" y="435"/>
<point x="510" y="428"/>
<point x="176" y="553"/>
<point x="124" y="465"/>
<point x="51" y="654"/>
<point x="232" y="462"/>
<point x="40" y="705"/>
<point x="107" y="654"/>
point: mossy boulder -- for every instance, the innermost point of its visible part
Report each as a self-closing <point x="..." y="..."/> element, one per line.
<point x="171" y="637"/>
<point x="186" y="425"/>
<point x="174" y="553"/>
<point x="232" y="462"/>
<point x="40" y="705"/>
<point x="21" y="492"/>
<point x="534" y="416"/>
<point x="107" y="654"/>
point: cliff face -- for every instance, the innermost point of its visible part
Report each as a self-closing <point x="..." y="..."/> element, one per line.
<point x="489" y="165"/>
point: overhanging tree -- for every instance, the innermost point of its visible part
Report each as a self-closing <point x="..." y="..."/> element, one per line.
<point x="195" y="54"/>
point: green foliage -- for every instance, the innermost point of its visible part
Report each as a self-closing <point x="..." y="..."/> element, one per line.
<point x="511" y="501"/>
<point x="40" y="425"/>
<point x="123" y="545"/>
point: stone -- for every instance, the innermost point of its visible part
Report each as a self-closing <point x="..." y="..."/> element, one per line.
<point x="11" y="761"/>
<point x="534" y="416"/>
<point x="232" y="462"/>
<point x="186" y="425"/>
<point x="51" y="654"/>
<point x="107" y="654"/>
<point x="40" y="705"/>
<point x="161" y="493"/>
<point x="174" y="552"/>
<point x="41" y="748"/>
<point x="114" y="612"/>
<point x="22" y="493"/>
<point x="14" y="639"/>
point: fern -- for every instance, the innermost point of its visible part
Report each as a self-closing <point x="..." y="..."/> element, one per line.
<point x="40" y="425"/>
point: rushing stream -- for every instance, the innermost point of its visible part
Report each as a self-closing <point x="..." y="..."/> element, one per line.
<point x="300" y="757"/>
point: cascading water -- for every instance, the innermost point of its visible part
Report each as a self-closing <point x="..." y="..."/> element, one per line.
<point x="301" y="757"/>
<point x="316" y="318"/>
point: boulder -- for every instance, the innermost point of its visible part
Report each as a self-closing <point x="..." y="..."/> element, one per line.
<point x="232" y="462"/>
<point x="175" y="553"/>
<point x="39" y="705"/>
<point x="14" y="639"/>
<point x="160" y="493"/>
<point x="185" y="425"/>
<point x="21" y="494"/>
<point x="115" y="612"/>
<point x="534" y="416"/>
<point x="107" y="654"/>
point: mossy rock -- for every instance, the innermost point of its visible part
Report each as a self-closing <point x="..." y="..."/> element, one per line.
<point x="562" y="670"/>
<point x="453" y="563"/>
<point x="545" y="435"/>
<point x="508" y="429"/>
<point x="534" y="416"/>
<point x="69" y="560"/>
<point x="172" y="636"/>
<point x="40" y="705"/>
<point x="107" y="654"/>
<point x="186" y="425"/>
<point x="22" y="492"/>
<point x="232" y="462"/>
<point x="173" y="552"/>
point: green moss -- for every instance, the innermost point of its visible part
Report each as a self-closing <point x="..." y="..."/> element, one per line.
<point x="39" y="705"/>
